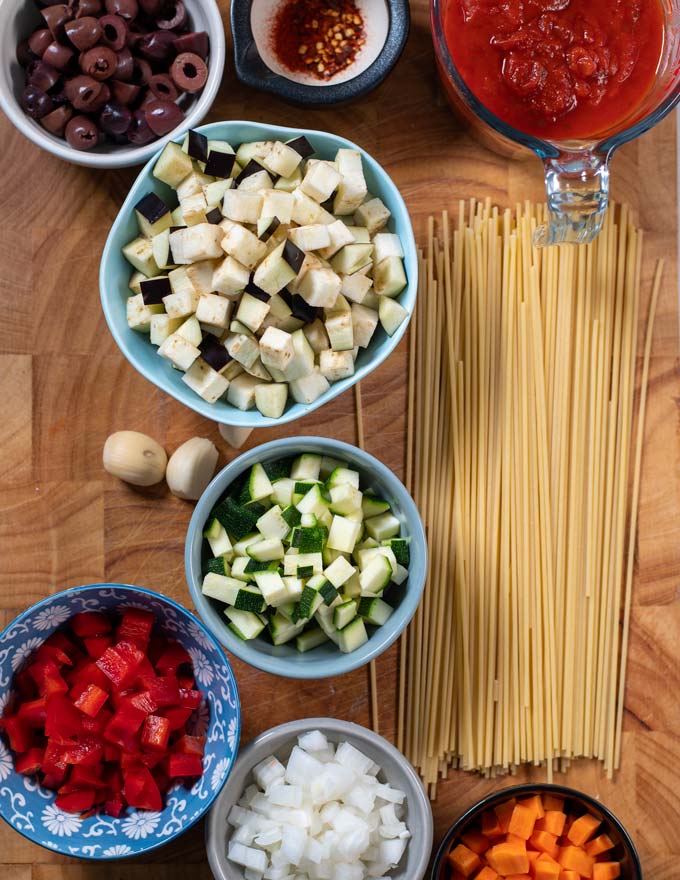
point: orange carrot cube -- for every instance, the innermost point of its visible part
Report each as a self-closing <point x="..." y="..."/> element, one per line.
<point x="606" y="870"/>
<point x="553" y="822"/>
<point x="546" y="868"/>
<point x="574" y="858"/>
<point x="504" y="813"/>
<point x="487" y="873"/>
<point x="600" y="844"/>
<point x="522" y="822"/>
<point x="491" y="827"/>
<point x="535" y="804"/>
<point x="553" y="802"/>
<point x="476" y="841"/>
<point x="508" y="858"/>
<point x="583" y="829"/>
<point x="464" y="860"/>
<point x="545" y="842"/>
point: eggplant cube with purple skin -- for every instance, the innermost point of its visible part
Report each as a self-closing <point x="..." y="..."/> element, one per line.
<point x="279" y="204"/>
<point x="139" y="314"/>
<point x="281" y="159"/>
<point x="274" y="273"/>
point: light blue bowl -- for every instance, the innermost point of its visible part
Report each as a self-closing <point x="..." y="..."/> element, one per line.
<point x="326" y="660"/>
<point x="115" y="271"/>
<point x="31" y="810"/>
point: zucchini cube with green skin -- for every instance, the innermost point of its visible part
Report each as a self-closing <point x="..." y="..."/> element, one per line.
<point x="283" y="631"/>
<point x="257" y="486"/>
<point x="217" y="537"/>
<point x="376" y="576"/>
<point x="392" y="315"/>
<point x="206" y="382"/>
<point x="282" y="494"/>
<point x="241" y="244"/>
<point x="340" y="330"/>
<point x="343" y="534"/>
<point x="344" y="613"/>
<point x="343" y="476"/>
<point x="217" y="565"/>
<point x="241" y="546"/>
<point x="294" y="588"/>
<point x="273" y="273"/>
<point x="345" y="499"/>
<point x="372" y="214"/>
<point x="173" y="165"/>
<point x="310" y="639"/>
<point x="241" y="206"/>
<point x="245" y="624"/>
<point x="313" y="501"/>
<point x="351" y="258"/>
<point x="324" y="617"/>
<point x="195" y="243"/>
<point x="252" y="565"/>
<point x="292" y="516"/>
<point x="364" y="323"/>
<point x="389" y="277"/>
<point x="400" y="548"/>
<point x="250" y="598"/>
<point x="139" y="253"/>
<point x="237" y="519"/>
<point x="339" y="572"/>
<point x="272" y="524"/>
<point x="382" y="527"/>
<point x="374" y="611"/>
<point x="371" y="506"/>
<point x="266" y="550"/>
<point x="306" y="467"/>
<point x="309" y="388"/>
<point x="229" y="277"/>
<point x="224" y="589"/>
<point x="272" y="587"/>
<point x="179" y="351"/>
<point x="309" y="539"/>
<point x="238" y="569"/>
<point x="353" y="636"/>
<point x="139" y="314"/>
<point x="293" y="563"/>
<point x="251" y="312"/>
<point x="352" y="587"/>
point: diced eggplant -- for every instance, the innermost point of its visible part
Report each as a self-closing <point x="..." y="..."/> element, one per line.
<point x="139" y="253"/>
<point x="372" y="214"/>
<point x="173" y="165"/>
<point x="335" y="365"/>
<point x="214" y="216"/>
<point x="274" y="272"/>
<point x="266" y="227"/>
<point x="214" y="310"/>
<point x="251" y="312"/>
<point x="243" y="245"/>
<point x="241" y="393"/>
<point x="299" y="307"/>
<point x="153" y="215"/>
<point x="196" y="145"/>
<point x="214" y="353"/>
<point x="241" y="206"/>
<point x="301" y="146"/>
<point x="389" y="277"/>
<point x="220" y="164"/>
<point x="205" y="381"/>
<point x="229" y="277"/>
<point x="282" y="159"/>
<point x="320" y="181"/>
<point x="276" y="348"/>
<point x="200" y="242"/>
<point x="252" y="167"/>
<point x="293" y="255"/>
<point x="392" y="315"/>
<point x="271" y="399"/>
<point x="154" y="289"/>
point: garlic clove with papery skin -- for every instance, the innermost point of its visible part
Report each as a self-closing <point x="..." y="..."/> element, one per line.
<point x="191" y="468"/>
<point x="134" y="458"/>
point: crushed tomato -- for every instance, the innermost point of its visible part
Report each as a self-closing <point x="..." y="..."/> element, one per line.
<point x="99" y="714"/>
<point x="558" y="68"/>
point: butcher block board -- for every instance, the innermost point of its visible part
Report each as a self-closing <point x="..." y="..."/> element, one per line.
<point x="65" y="387"/>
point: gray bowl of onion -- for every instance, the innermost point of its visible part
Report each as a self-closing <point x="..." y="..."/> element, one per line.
<point x="279" y="742"/>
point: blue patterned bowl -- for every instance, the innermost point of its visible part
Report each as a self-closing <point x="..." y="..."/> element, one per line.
<point x="31" y="810"/>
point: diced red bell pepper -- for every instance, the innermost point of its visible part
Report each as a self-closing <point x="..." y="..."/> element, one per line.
<point x="130" y="652"/>
<point x="124" y="727"/>
<point x="83" y="776"/>
<point x="46" y="675"/>
<point x="30" y="762"/>
<point x="172" y="658"/>
<point x="177" y="717"/>
<point x="190" y="699"/>
<point x="148" y="758"/>
<point x="53" y="764"/>
<point x="24" y="686"/>
<point x="19" y="733"/>
<point x="164" y="690"/>
<point x="155" y="648"/>
<point x="161" y="777"/>
<point x="90" y="623"/>
<point x="64" y="644"/>
<point x="87" y="752"/>
<point x="143" y="701"/>
<point x="76" y="801"/>
<point x="54" y="652"/>
<point x="136" y="626"/>
<point x="91" y="700"/>
<point x="140" y="789"/>
<point x="54" y="781"/>
<point x="114" y="806"/>
<point x="89" y="673"/>
<point x="144" y="670"/>
<point x="116" y="667"/>
<point x="155" y="732"/>
<point x="112" y="752"/>
<point x="34" y="712"/>
<point x="98" y="724"/>
<point x="96" y="645"/>
<point x="185" y="765"/>
<point x="62" y="718"/>
<point x="190" y="745"/>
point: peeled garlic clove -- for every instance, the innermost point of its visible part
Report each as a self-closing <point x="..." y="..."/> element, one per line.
<point x="191" y="468"/>
<point x="135" y="458"/>
<point x="235" y="437"/>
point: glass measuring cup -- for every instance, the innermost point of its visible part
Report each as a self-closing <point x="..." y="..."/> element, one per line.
<point x="576" y="171"/>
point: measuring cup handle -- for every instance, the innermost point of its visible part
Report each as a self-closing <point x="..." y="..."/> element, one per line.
<point x="577" y="187"/>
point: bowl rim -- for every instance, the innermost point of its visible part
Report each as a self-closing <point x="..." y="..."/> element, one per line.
<point x="528" y="788"/>
<point x="118" y="158"/>
<point x="228" y="414"/>
<point x="252" y="71"/>
<point x="292" y="729"/>
<point x="84" y="588"/>
<point x="339" y="663"/>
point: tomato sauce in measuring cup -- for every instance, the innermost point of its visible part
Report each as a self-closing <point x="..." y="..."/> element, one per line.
<point x="558" y="69"/>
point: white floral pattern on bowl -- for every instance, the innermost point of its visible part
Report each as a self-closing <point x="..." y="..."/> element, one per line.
<point x="30" y="809"/>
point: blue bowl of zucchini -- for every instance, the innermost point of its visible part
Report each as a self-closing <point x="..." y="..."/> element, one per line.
<point x="306" y="557"/>
<point x="256" y="272"/>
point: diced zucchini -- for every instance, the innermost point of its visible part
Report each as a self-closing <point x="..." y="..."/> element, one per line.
<point x="237" y="519"/>
<point x="309" y="540"/>
<point x="343" y="534"/>
<point x="282" y="492"/>
<point x="224" y="589"/>
<point x="382" y="527"/>
<point x="352" y="587"/>
<point x="282" y="630"/>
<point x="292" y="516"/>
<point x="294" y="587"/>
<point x="241" y="547"/>
<point x="306" y="467"/>
<point x="245" y="624"/>
<point x="310" y="639"/>
<point x="400" y="548"/>
<point x="252" y="565"/>
<point x="310" y="601"/>
<point x="345" y="499"/>
<point x="343" y="475"/>
<point x="272" y="587"/>
<point x="278" y="469"/>
<point x="313" y="501"/>
<point x="376" y="576"/>
<point x="308" y="520"/>
<point x="342" y="614"/>
<point x="270" y="548"/>
<point x="272" y="524"/>
<point x="257" y="486"/>
<point x="249" y="598"/>
<point x="353" y="636"/>
<point x="328" y="465"/>
<point x="374" y="611"/>
<point x="238" y="569"/>
<point x="339" y="572"/>
<point x="217" y="565"/>
<point x="217" y="537"/>
<point x="293" y="563"/>
<point x="373" y="506"/>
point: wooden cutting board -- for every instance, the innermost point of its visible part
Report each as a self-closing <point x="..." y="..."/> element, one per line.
<point x="65" y="387"/>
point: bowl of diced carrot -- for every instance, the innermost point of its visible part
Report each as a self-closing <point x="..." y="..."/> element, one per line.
<point x="537" y="832"/>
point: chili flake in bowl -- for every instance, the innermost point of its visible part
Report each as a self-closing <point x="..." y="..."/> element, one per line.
<point x="318" y="52"/>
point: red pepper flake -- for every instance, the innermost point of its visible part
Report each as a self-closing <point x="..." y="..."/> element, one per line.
<point x="319" y="37"/>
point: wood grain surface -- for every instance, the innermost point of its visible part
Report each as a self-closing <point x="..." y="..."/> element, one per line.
<point x="65" y="387"/>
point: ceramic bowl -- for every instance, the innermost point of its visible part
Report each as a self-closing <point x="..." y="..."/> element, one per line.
<point x="258" y="67"/>
<point x="115" y="274"/>
<point x="624" y="850"/>
<point x="30" y="809"/>
<point x="326" y="660"/>
<point x="279" y="741"/>
<point x="18" y="18"/>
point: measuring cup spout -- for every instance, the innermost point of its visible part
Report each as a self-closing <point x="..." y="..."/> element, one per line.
<point x="577" y="188"/>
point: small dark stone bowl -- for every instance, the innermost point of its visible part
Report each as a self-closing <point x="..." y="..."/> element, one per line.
<point x="252" y="71"/>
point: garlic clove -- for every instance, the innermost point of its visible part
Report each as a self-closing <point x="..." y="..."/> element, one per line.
<point x="234" y="436"/>
<point x="191" y="468"/>
<point x="134" y="458"/>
